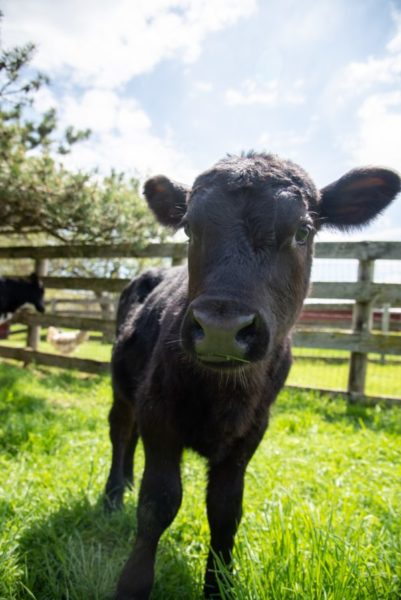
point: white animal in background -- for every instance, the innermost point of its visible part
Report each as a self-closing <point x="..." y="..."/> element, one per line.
<point x="66" y="341"/>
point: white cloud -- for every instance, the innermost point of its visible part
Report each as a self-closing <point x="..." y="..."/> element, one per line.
<point x="268" y="94"/>
<point x="203" y="87"/>
<point x="371" y="89"/>
<point x="45" y="99"/>
<point x="379" y="130"/>
<point x="285" y="141"/>
<point x="251" y="93"/>
<point x="103" y="111"/>
<point x="106" y="43"/>
<point x="307" y="22"/>
<point x="91" y="49"/>
<point x="142" y="156"/>
<point x="395" y="44"/>
<point x="358" y="78"/>
<point x="122" y="137"/>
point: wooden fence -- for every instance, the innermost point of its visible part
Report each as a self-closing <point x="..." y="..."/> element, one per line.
<point x="321" y="315"/>
<point x="359" y="341"/>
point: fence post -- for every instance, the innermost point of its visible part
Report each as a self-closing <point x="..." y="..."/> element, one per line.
<point x="41" y="266"/>
<point x="361" y="322"/>
<point x="385" y="326"/>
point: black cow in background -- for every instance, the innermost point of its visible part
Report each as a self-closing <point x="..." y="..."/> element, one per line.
<point x="202" y="352"/>
<point x="15" y="292"/>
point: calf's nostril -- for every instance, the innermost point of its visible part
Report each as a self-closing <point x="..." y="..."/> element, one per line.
<point x="245" y="336"/>
<point x="196" y="330"/>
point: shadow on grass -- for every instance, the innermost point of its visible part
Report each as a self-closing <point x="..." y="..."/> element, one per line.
<point x="338" y="410"/>
<point x="11" y="374"/>
<point x="64" y="380"/>
<point x="78" y="553"/>
<point x="7" y="511"/>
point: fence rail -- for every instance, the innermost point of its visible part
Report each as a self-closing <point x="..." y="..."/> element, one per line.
<point x="381" y="293"/>
<point x="324" y="315"/>
<point x="167" y="250"/>
<point x="338" y="250"/>
<point x="27" y="355"/>
<point x="365" y="293"/>
<point x="60" y="321"/>
<point x="93" y="284"/>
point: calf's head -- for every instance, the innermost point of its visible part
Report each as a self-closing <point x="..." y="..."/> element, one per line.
<point x="250" y="221"/>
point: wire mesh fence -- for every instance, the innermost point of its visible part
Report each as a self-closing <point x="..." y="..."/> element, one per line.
<point x="329" y="368"/>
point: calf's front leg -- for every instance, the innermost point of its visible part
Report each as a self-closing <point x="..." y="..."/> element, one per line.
<point x="224" y="511"/>
<point x="159" y="500"/>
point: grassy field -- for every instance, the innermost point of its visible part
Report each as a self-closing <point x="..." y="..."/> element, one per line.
<point x="322" y="509"/>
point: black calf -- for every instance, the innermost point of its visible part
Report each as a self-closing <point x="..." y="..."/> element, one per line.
<point x="15" y="292"/>
<point x="201" y="353"/>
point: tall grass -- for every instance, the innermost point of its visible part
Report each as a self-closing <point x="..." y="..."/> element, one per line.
<point x="322" y="508"/>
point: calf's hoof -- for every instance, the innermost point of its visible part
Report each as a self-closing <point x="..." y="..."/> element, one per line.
<point x="131" y="596"/>
<point x="212" y="592"/>
<point x="125" y="597"/>
<point x="113" y="501"/>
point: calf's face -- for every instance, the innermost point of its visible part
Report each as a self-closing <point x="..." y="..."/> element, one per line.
<point x="250" y="222"/>
<point x="249" y="259"/>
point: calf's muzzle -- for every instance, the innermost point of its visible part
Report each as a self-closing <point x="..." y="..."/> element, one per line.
<point x="222" y="333"/>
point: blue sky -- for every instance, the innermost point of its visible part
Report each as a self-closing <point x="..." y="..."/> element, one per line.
<point x="173" y="85"/>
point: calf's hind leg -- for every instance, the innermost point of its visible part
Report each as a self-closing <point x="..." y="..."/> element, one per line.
<point x="128" y="467"/>
<point x="124" y="437"/>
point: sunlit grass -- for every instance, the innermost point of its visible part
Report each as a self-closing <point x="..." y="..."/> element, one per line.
<point x="322" y="507"/>
<point x="382" y="379"/>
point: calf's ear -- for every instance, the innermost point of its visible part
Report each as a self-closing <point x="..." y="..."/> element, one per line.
<point x="358" y="197"/>
<point x="167" y="200"/>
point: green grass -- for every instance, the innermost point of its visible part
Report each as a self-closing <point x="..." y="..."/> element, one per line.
<point x="382" y="379"/>
<point x="322" y="507"/>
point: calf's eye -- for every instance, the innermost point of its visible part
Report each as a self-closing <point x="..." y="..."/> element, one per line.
<point x="302" y="234"/>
